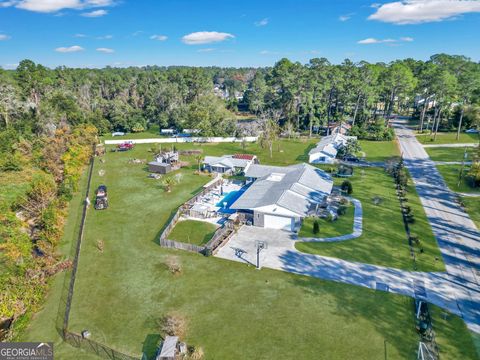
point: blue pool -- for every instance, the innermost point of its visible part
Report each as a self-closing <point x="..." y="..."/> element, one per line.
<point x="229" y="198"/>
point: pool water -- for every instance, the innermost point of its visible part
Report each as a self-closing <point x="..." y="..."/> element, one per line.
<point x="229" y="198"/>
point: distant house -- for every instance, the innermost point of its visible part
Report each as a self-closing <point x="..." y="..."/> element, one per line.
<point x="326" y="150"/>
<point x="280" y="197"/>
<point x="342" y="129"/>
<point x="229" y="164"/>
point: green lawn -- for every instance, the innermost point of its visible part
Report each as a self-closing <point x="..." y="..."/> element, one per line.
<point x="285" y="152"/>
<point x="122" y="292"/>
<point x="449" y="153"/>
<point x="384" y="241"/>
<point x="379" y="150"/>
<point x="451" y="175"/>
<point x="472" y="206"/>
<point x="342" y="226"/>
<point x="452" y="336"/>
<point x="448" y="138"/>
<point x="193" y="232"/>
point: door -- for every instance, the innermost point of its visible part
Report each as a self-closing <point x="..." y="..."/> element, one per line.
<point x="278" y="222"/>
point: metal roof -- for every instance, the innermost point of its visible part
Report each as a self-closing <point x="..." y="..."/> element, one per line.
<point x="227" y="161"/>
<point x="169" y="346"/>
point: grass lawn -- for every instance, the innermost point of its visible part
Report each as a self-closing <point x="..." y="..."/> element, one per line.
<point x="452" y="336"/>
<point x="451" y="174"/>
<point x="384" y="241"/>
<point x="192" y="232"/>
<point x="472" y="206"/>
<point x="122" y="292"/>
<point x="448" y="138"/>
<point x="449" y="154"/>
<point x="379" y="150"/>
<point x="342" y="226"/>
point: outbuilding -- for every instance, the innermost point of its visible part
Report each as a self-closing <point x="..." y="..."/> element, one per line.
<point x="159" y="167"/>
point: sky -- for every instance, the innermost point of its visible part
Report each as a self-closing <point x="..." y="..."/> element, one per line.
<point x="120" y="33"/>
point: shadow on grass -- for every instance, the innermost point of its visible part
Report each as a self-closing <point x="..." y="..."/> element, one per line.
<point x="150" y="345"/>
<point x="304" y="157"/>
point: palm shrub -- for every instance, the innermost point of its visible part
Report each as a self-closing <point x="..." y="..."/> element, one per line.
<point x="347" y="187"/>
<point x="316" y="227"/>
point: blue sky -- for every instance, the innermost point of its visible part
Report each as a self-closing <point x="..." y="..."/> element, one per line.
<point x="96" y="33"/>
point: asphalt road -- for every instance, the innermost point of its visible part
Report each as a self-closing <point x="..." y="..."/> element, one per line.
<point x="456" y="234"/>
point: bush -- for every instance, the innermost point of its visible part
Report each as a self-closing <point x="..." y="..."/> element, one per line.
<point x="342" y="210"/>
<point x="173" y="265"/>
<point x="316" y="227"/>
<point x="347" y="187"/>
<point x="174" y="325"/>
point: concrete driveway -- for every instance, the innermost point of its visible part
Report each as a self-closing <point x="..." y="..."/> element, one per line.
<point x="437" y="288"/>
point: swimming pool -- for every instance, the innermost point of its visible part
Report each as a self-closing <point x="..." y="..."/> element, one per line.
<point x="229" y="198"/>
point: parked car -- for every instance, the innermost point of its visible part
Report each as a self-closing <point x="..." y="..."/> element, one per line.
<point x="118" y="133"/>
<point x="101" y="200"/>
<point x="128" y="145"/>
<point x="351" y="158"/>
<point x="472" y="131"/>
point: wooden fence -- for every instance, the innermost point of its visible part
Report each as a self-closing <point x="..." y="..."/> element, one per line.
<point x="168" y="229"/>
<point x="172" y="244"/>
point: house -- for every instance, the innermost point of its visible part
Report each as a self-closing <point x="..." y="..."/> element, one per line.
<point x="229" y="164"/>
<point x="280" y="197"/>
<point x="326" y="150"/>
<point x="342" y="129"/>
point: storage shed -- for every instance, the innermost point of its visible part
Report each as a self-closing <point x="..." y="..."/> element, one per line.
<point x="169" y="348"/>
<point x="159" y="168"/>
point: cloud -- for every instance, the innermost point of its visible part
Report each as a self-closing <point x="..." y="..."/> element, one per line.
<point x="369" y="41"/>
<point x="48" y="6"/>
<point x="70" y="49"/>
<point x="159" y="37"/>
<point x="206" y="37"/>
<point x="263" y="22"/>
<point x="80" y="35"/>
<point x="95" y="13"/>
<point x="206" y="50"/>
<point x="10" y="66"/>
<point x="345" y="17"/>
<point x="105" y="37"/>
<point x="268" y="52"/>
<point x="423" y="11"/>
<point x="105" y="50"/>
<point x="4" y="37"/>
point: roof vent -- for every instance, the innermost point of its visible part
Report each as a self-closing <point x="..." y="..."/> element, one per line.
<point x="275" y="177"/>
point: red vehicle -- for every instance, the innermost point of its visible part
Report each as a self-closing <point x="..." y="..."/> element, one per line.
<point x="128" y="145"/>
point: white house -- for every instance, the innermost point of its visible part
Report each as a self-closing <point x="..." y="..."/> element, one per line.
<point x="280" y="197"/>
<point x="326" y="150"/>
<point x="228" y="164"/>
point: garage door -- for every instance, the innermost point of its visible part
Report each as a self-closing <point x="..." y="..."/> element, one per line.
<point x="277" y="222"/>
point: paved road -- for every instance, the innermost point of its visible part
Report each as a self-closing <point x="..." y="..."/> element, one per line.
<point x="457" y="235"/>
